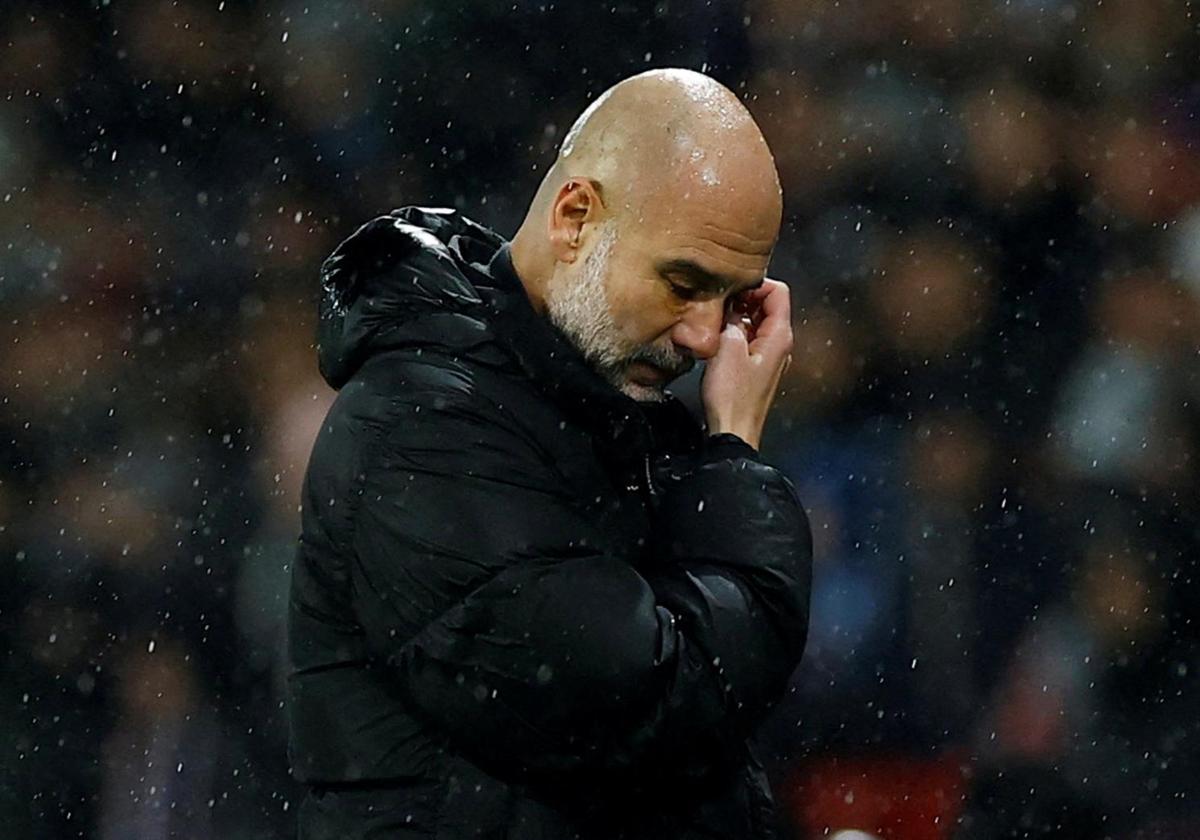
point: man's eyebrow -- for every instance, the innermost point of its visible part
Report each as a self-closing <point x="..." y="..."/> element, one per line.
<point x="701" y="277"/>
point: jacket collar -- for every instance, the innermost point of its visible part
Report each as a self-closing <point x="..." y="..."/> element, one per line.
<point x="562" y="372"/>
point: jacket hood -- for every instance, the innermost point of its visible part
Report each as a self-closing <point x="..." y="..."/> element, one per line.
<point x="402" y="280"/>
<point x="431" y="278"/>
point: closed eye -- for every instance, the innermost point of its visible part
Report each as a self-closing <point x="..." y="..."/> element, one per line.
<point x="698" y="282"/>
<point x="684" y="292"/>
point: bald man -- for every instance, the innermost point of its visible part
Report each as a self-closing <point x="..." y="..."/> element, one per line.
<point x="534" y="597"/>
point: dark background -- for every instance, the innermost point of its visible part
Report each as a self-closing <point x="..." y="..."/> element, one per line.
<point x="992" y="236"/>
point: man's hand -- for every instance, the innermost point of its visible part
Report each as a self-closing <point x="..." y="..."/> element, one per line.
<point x="740" y="381"/>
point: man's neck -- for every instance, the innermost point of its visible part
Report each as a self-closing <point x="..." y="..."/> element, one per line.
<point x="525" y="261"/>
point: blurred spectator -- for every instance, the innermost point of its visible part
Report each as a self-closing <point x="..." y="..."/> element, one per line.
<point x="159" y="758"/>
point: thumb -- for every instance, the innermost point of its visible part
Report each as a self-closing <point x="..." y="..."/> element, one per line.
<point x="732" y="336"/>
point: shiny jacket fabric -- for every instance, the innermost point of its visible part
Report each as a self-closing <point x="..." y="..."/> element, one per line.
<point x="523" y="605"/>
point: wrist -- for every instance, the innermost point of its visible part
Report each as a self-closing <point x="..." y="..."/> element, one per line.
<point x="746" y="436"/>
<point x="728" y="445"/>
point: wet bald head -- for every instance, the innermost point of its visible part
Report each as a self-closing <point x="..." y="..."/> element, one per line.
<point x="668" y="135"/>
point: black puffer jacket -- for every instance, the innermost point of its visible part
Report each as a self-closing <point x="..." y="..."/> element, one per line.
<point x="524" y="605"/>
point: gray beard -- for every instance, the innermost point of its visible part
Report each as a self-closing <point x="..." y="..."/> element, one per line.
<point x="578" y="306"/>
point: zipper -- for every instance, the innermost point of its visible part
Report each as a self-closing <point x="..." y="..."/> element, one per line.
<point x="648" y="486"/>
<point x="649" y="478"/>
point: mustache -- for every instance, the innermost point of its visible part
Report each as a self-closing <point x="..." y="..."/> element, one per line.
<point x="667" y="359"/>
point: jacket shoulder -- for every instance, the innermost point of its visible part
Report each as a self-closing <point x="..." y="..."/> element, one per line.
<point x="382" y="403"/>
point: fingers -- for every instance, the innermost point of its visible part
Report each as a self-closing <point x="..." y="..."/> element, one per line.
<point x="734" y="341"/>
<point x="741" y="306"/>
<point x="740" y="381"/>
<point x="774" y="333"/>
<point x="776" y="297"/>
<point x="753" y="302"/>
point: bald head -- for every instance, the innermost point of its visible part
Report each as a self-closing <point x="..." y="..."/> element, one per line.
<point x="667" y="135"/>
<point x="663" y="203"/>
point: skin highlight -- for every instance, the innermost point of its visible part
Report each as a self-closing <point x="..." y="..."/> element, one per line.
<point x="654" y="223"/>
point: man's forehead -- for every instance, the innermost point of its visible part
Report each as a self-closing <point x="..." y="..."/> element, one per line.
<point x="724" y="247"/>
<point x="743" y="221"/>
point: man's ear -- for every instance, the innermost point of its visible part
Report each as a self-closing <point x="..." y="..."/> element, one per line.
<point x="577" y="206"/>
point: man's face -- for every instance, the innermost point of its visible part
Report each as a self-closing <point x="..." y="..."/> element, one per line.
<point x="578" y="303"/>
<point x="647" y="300"/>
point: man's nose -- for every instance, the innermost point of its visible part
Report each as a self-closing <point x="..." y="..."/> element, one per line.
<point x="699" y="331"/>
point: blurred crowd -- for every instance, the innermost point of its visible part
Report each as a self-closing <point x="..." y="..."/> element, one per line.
<point x="992" y="237"/>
